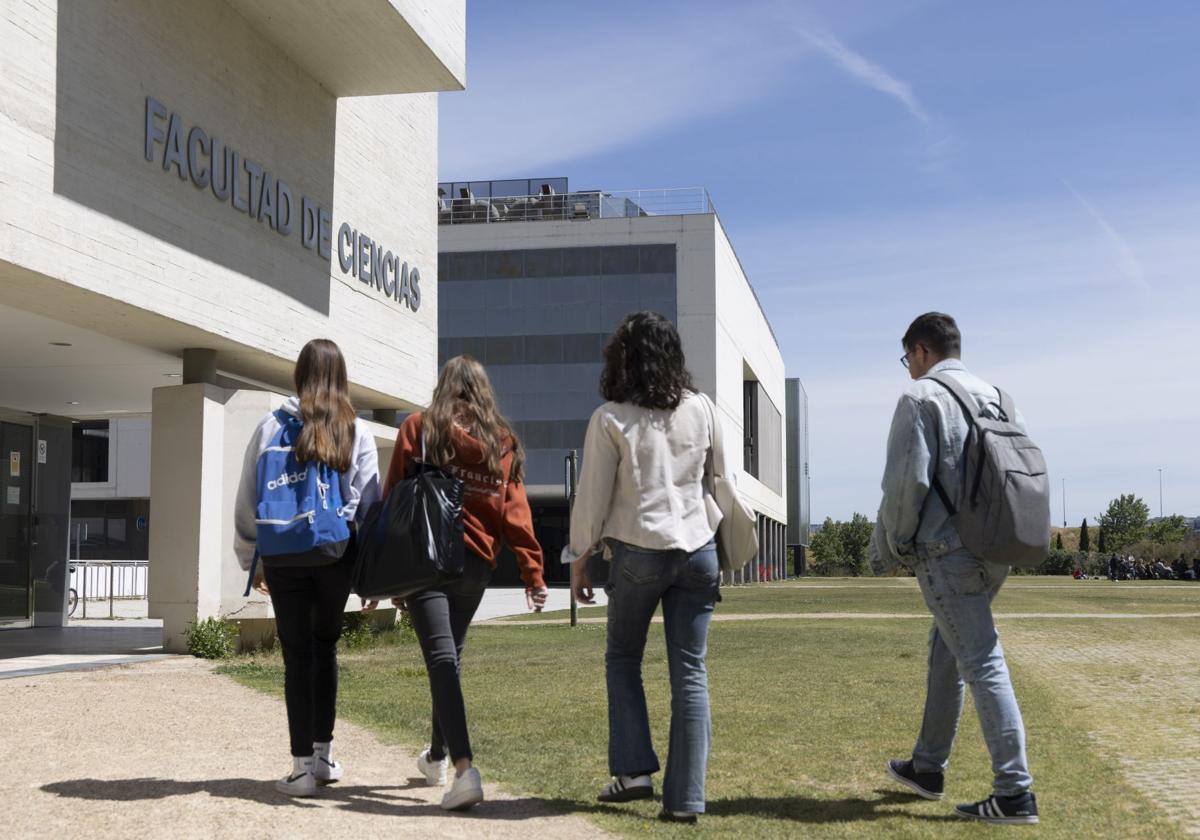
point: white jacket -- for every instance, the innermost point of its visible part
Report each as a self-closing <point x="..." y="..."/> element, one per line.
<point x="359" y="484"/>
<point x="642" y="479"/>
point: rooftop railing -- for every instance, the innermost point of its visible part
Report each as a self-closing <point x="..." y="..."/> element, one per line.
<point x="465" y="208"/>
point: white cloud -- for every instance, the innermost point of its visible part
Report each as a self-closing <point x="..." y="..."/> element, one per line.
<point x="862" y="69"/>
<point x="1125" y="255"/>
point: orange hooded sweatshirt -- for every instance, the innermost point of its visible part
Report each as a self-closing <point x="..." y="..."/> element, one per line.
<point x="495" y="511"/>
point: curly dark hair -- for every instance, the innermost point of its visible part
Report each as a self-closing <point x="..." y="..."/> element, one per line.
<point x="644" y="364"/>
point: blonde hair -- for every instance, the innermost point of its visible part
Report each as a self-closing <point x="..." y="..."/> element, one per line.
<point x="463" y="387"/>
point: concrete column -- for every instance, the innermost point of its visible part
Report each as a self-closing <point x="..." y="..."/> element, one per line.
<point x="199" y="366"/>
<point x="187" y="439"/>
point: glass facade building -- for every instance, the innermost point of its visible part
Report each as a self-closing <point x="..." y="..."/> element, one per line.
<point x="538" y="320"/>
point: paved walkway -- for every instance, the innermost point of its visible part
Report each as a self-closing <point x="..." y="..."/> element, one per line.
<point x="168" y="748"/>
<point x="43" y="649"/>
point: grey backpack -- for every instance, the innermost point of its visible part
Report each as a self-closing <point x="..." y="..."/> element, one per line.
<point x="1001" y="510"/>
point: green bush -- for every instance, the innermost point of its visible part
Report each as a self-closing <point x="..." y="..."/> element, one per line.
<point x="1058" y="562"/>
<point x="356" y="631"/>
<point x="212" y="638"/>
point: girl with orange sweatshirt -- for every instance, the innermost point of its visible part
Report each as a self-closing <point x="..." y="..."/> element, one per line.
<point x="465" y="434"/>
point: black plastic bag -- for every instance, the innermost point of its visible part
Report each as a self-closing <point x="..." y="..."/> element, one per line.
<point x="412" y="540"/>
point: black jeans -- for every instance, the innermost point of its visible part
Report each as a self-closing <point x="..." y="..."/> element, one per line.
<point x="309" y="602"/>
<point x="441" y="617"/>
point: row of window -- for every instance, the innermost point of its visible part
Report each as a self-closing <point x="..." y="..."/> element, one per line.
<point x="567" y="348"/>
<point x="556" y="262"/>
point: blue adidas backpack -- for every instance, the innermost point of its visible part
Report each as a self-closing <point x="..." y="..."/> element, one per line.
<point x="299" y="504"/>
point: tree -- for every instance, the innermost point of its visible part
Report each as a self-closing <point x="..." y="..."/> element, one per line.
<point x="1100" y="542"/>
<point x="841" y="547"/>
<point x="856" y="542"/>
<point x="1085" y="540"/>
<point x="826" y="547"/>
<point x="1170" y="529"/>
<point x="1058" y="542"/>
<point x="1124" y="522"/>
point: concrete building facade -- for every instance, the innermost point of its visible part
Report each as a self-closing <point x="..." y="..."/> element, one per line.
<point x="190" y="193"/>
<point x="534" y="282"/>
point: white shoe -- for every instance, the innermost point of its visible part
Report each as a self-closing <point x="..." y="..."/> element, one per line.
<point x="466" y="791"/>
<point x="301" y="781"/>
<point x="326" y="770"/>
<point x="433" y="771"/>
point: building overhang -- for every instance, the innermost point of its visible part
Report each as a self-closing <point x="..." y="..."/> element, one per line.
<point x="368" y="47"/>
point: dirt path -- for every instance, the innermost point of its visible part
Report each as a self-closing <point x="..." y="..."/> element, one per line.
<point x="169" y="748"/>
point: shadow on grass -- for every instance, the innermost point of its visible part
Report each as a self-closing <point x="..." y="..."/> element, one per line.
<point x="808" y="810"/>
<point x="801" y="809"/>
<point x="379" y="800"/>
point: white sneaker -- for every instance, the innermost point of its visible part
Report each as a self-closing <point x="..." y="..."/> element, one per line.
<point x="326" y="770"/>
<point x="301" y="781"/>
<point x="433" y="771"/>
<point x="466" y="791"/>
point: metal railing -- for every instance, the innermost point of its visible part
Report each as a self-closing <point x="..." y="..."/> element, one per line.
<point x="110" y="580"/>
<point x="465" y="208"/>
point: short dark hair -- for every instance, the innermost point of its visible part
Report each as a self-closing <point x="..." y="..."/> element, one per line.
<point x="937" y="332"/>
<point x="644" y="364"/>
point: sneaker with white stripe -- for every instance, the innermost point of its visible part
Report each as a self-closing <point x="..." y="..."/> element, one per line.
<point x="1002" y="810"/>
<point x="627" y="789"/>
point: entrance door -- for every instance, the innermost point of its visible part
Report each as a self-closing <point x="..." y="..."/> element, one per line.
<point x="16" y="524"/>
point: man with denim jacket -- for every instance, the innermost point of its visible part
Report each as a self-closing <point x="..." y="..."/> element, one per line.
<point x="914" y="530"/>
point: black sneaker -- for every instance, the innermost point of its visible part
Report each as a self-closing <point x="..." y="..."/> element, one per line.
<point x="1003" y="810"/>
<point x="925" y="785"/>
<point x="627" y="789"/>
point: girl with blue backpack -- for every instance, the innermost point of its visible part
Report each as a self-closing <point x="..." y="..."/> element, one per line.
<point x="310" y="468"/>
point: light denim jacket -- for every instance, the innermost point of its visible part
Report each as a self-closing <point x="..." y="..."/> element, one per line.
<point x="928" y="431"/>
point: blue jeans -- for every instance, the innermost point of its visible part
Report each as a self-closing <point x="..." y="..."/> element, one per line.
<point x="964" y="648"/>
<point x="688" y="585"/>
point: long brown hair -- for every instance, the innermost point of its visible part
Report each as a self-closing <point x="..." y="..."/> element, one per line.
<point x="463" y="387"/>
<point x="328" y="433"/>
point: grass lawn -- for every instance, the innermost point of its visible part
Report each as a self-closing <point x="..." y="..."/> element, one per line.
<point x="805" y="712"/>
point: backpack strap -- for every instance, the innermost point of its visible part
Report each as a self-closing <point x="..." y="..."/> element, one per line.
<point x="961" y="395"/>
<point x="1007" y="408"/>
<point x="964" y="400"/>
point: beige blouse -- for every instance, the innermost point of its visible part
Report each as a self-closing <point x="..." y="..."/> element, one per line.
<point x="642" y="480"/>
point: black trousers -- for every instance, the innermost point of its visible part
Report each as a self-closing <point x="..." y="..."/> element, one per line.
<point x="441" y="617"/>
<point x="309" y="602"/>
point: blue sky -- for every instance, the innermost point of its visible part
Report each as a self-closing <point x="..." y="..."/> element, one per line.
<point x="1031" y="168"/>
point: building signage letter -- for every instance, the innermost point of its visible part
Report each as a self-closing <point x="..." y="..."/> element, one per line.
<point x="251" y="188"/>
<point x="197" y="145"/>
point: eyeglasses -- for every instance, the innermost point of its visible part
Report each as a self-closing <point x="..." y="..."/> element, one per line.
<point x="904" y="361"/>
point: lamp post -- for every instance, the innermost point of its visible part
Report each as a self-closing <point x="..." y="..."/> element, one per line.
<point x="1064" y="502"/>
<point x="1160" y="505"/>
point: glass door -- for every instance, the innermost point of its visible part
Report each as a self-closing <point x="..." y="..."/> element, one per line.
<point x="16" y="523"/>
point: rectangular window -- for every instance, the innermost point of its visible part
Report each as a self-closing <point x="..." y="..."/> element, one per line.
<point x="544" y="263"/>
<point x="620" y="259"/>
<point x="89" y="451"/>
<point x="749" y="427"/>
<point x="580" y="262"/>
<point x="505" y="265"/>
